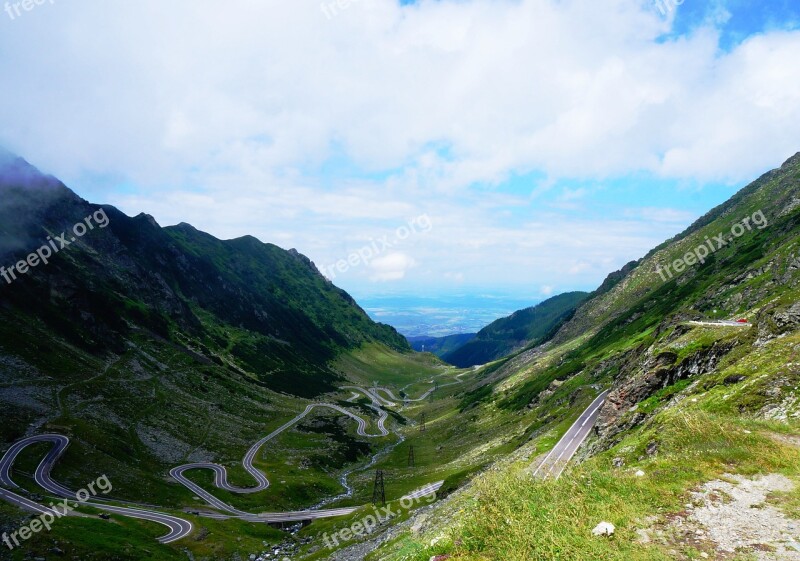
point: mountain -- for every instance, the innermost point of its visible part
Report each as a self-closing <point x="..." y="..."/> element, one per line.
<point x="152" y="347"/>
<point x="694" y="401"/>
<point x="738" y="260"/>
<point x="697" y="400"/>
<point x="439" y="346"/>
<point x="247" y="305"/>
<point x="531" y="326"/>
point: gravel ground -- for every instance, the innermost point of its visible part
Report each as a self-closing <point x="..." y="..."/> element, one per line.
<point x="734" y="516"/>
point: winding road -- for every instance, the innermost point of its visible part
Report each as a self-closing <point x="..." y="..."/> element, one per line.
<point x="721" y="323"/>
<point x="373" y="392"/>
<point x="221" y="474"/>
<point x="178" y="527"/>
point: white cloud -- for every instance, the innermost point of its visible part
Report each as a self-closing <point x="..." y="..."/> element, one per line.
<point x="151" y="90"/>
<point x="656" y="214"/>
<point x="391" y="267"/>
<point x="269" y="118"/>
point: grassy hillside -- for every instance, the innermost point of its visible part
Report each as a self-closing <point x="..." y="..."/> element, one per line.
<point x="691" y="401"/>
<point x="152" y="347"/>
<point x="531" y="326"/>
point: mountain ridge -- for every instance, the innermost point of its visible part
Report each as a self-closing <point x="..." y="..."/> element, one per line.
<point x="134" y="272"/>
<point x="693" y="397"/>
<point x="529" y="326"/>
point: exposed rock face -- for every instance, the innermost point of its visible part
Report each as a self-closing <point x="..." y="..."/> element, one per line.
<point x="657" y="373"/>
<point x="788" y="318"/>
<point x="774" y="323"/>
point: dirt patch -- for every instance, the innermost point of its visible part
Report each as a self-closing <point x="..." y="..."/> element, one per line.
<point x="791" y="440"/>
<point x="731" y="516"/>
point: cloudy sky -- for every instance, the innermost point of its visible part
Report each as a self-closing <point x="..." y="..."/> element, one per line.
<point x="542" y="143"/>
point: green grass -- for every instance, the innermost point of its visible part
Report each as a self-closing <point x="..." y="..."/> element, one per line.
<point x="376" y="363"/>
<point x="508" y="515"/>
<point x="702" y="426"/>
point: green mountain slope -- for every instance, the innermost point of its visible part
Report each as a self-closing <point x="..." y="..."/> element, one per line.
<point x="152" y="347"/>
<point x="531" y="326"/>
<point x="248" y="305"/>
<point x="751" y="275"/>
<point x="689" y="402"/>
<point x="439" y="346"/>
<point x="692" y="399"/>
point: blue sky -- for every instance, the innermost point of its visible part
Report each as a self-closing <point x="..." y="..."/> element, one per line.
<point x="736" y="19"/>
<point x="547" y="142"/>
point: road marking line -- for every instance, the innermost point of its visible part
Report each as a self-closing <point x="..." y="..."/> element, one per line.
<point x="558" y="446"/>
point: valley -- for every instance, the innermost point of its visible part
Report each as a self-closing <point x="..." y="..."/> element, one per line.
<point x="400" y="280"/>
<point x="245" y="435"/>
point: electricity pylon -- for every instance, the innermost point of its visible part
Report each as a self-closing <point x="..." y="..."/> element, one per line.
<point x="378" y="491"/>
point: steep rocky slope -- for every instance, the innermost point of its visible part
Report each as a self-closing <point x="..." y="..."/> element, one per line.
<point x="694" y="397"/>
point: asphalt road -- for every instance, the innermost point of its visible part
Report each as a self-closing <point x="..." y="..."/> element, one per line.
<point x="556" y="461"/>
<point x="372" y="393"/>
<point x="221" y="474"/>
<point x="178" y="527"/>
<point x="22" y="502"/>
<point x="722" y="323"/>
<point x="423" y="491"/>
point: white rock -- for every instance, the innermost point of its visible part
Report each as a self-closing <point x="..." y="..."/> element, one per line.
<point x="604" y="529"/>
<point x="639" y="473"/>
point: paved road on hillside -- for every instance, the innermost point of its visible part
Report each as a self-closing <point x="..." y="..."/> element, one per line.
<point x="23" y="503"/>
<point x="558" y="458"/>
<point x="423" y="491"/>
<point x="721" y="323"/>
<point x="221" y="474"/>
<point x="372" y="393"/>
<point x="178" y="527"/>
